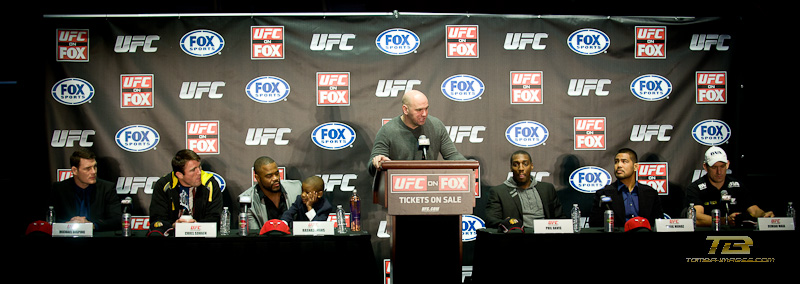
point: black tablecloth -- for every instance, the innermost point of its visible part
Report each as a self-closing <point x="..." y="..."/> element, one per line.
<point x="281" y="258"/>
<point x="595" y="255"/>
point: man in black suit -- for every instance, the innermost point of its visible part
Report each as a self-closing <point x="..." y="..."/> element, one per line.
<point x="84" y="198"/>
<point x="522" y="197"/>
<point x="629" y="198"/>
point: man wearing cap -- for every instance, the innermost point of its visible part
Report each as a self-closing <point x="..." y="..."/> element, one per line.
<point x="271" y="196"/>
<point x="718" y="190"/>
<point x="629" y="198"/>
<point x="521" y="197"/>
<point x="185" y="191"/>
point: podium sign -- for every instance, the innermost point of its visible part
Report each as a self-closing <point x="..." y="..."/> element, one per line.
<point x="429" y="187"/>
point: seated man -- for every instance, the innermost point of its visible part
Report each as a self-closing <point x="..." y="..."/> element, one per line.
<point x="521" y="197"/>
<point x="271" y="196"/>
<point x="187" y="190"/>
<point x="84" y="198"/>
<point x="629" y="198"/>
<point x="310" y="205"/>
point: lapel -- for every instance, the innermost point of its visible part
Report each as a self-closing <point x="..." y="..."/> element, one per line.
<point x="514" y="195"/>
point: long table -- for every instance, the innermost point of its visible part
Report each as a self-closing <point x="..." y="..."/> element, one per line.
<point x="594" y="254"/>
<point x="280" y="258"/>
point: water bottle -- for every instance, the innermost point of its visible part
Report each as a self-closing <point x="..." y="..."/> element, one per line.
<point x="340" y="220"/>
<point x="576" y="218"/>
<point x="355" y="212"/>
<point x="790" y="212"/>
<point x="225" y="222"/>
<point x="51" y="215"/>
<point x="691" y="214"/>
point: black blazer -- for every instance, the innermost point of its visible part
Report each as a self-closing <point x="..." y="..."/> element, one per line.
<point x="105" y="210"/>
<point x="649" y="205"/>
<point x="501" y="205"/>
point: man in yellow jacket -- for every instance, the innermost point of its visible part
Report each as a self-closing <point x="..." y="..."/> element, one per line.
<point x="187" y="190"/>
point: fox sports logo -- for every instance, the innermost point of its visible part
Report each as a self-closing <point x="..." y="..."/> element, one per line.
<point x="397" y="41"/>
<point x="527" y="134"/>
<point x="220" y="181"/>
<point x="202" y="43"/>
<point x="333" y="136"/>
<point x="589" y="179"/>
<point x="137" y="138"/>
<point x="711" y="132"/>
<point x="267" y="89"/>
<point x="588" y="42"/>
<point x="462" y="88"/>
<point x="651" y="87"/>
<point x="72" y="91"/>
<point x="470" y="224"/>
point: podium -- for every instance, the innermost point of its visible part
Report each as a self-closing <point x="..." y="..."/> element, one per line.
<point x="425" y="201"/>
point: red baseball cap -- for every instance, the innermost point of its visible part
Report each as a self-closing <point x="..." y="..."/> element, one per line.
<point x="275" y="227"/>
<point x="637" y="224"/>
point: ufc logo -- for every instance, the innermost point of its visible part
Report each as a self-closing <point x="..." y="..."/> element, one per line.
<point x="67" y="138"/>
<point x="328" y="41"/>
<point x="646" y="132"/>
<point x="704" y="42"/>
<point x="261" y="136"/>
<point x="195" y="90"/>
<point x="730" y="244"/>
<point x="390" y="88"/>
<point x="342" y="180"/>
<point x="131" y="185"/>
<point x="518" y="41"/>
<point x="458" y="133"/>
<point x="582" y="87"/>
<point x="131" y="43"/>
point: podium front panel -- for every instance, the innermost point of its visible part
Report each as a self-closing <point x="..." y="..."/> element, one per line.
<point x="430" y="191"/>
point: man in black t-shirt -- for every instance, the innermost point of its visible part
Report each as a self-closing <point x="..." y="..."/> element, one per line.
<point x="717" y="190"/>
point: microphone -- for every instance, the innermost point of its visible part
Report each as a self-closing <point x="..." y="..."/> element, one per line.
<point x="125" y="203"/>
<point x="726" y="198"/>
<point x="424" y="143"/>
<point x="244" y="202"/>
<point x="605" y="202"/>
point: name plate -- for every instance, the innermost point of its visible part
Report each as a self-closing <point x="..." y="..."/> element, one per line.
<point x="312" y="228"/>
<point x="776" y="224"/>
<point x="73" y="230"/>
<point x="552" y="226"/>
<point x="674" y="225"/>
<point x="196" y="230"/>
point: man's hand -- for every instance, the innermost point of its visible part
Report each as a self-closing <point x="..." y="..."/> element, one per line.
<point x="78" y="219"/>
<point x="377" y="160"/>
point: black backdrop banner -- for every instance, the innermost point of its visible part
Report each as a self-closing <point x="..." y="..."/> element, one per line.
<point x="311" y="91"/>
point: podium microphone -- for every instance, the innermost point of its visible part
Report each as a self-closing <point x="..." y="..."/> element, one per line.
<point x="424" y="143"/>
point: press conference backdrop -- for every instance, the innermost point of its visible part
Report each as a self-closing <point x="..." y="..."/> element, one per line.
<point x="311" y="91"/>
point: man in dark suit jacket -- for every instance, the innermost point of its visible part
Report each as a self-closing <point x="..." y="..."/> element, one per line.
<point x="629" y="198"/>
<point x="521" y="197"/>
<point x="84" y="198"/>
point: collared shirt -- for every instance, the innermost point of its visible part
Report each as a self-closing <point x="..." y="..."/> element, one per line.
<point x="273" y="212"/>
<point x="531" y="204"/>
<point x="83" y="199"/>
<point x="630" y="199"/>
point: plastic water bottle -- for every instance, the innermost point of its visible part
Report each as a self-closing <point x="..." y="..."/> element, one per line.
<point x="225" y="222"/>
<point x="355" y="212"/>
<point x="790" y="212"/>
<point x="576" y="218"/>
<point x="340" y="220"/>
<point x="51" y="215"/>
<point x="691" y="213"/>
